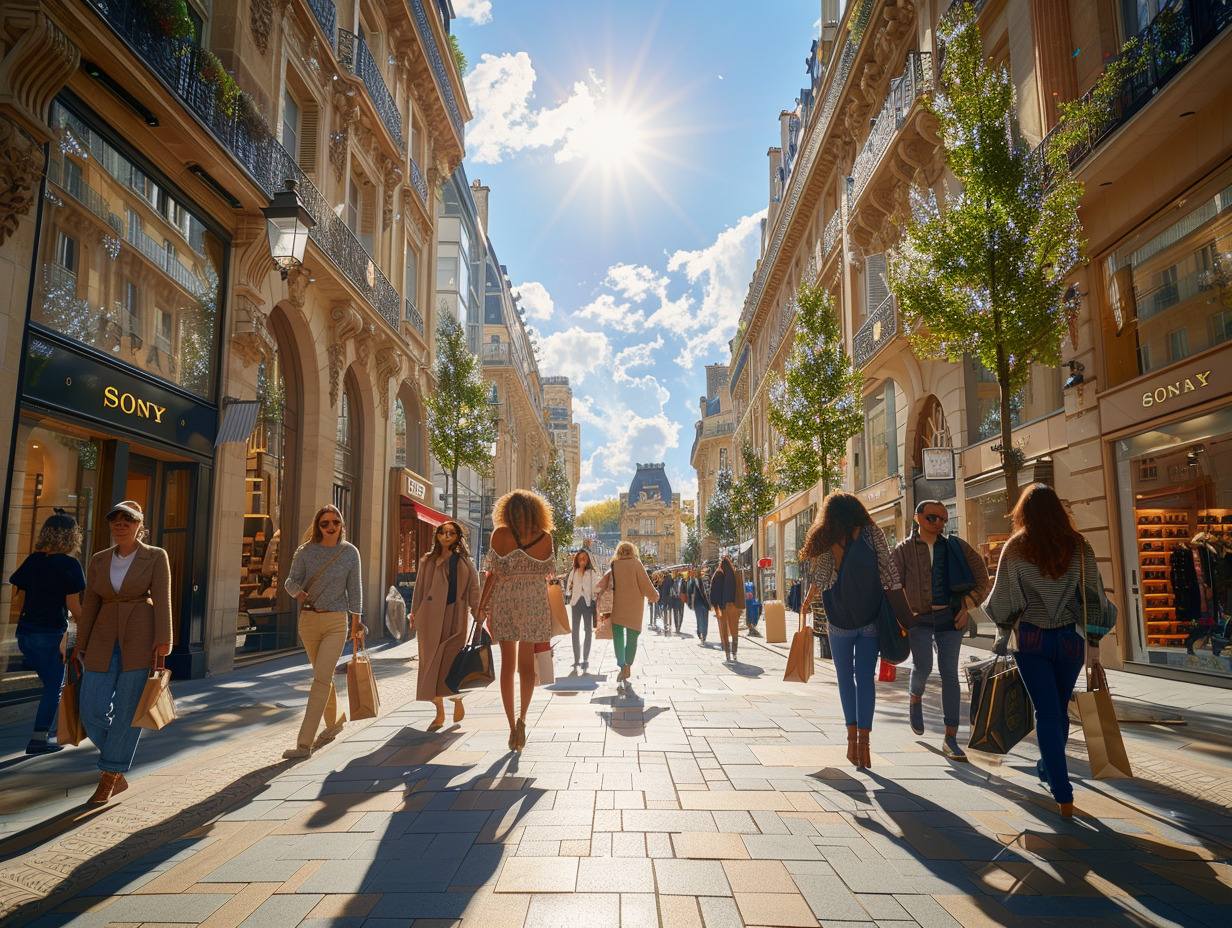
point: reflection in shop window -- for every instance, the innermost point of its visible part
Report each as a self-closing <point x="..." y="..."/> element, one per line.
<point x="86" y="292"/>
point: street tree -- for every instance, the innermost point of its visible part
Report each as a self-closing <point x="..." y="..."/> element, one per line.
<point x="691" y="553"/>
<point x="985" y="272"/>
<point x="553" y="486"/>
<point x="720" y="518"/>
<point x="754" y="494"/>
<point x="816" y="404"/>
<point x="602" y="517"/>
<point x="461" y="423"/>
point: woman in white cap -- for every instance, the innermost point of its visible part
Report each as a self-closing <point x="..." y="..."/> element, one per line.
<point x="125" y="628"/>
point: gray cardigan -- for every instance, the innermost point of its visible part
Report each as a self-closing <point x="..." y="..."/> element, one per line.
<point x="338" y="589"/>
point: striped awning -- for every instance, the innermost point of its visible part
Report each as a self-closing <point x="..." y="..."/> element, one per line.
<point x="239" y="417"/>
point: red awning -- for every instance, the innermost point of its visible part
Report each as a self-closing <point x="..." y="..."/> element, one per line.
<point x="429" y="515"/>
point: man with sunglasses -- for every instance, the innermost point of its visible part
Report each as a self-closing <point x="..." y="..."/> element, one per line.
<point x="942" y="575"/>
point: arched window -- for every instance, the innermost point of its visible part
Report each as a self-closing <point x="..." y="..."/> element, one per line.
<point x="347" y="454"/>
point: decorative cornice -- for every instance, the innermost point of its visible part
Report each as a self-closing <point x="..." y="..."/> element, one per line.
<point x="21" y="165"/>
<point x="261" y="19"/>
<point x="39" y="62"/>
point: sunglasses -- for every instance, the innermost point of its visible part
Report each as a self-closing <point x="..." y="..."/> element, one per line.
<point x="446" y="531"/>
<point x="935" y="519"/>
<point x="328" y="522"/>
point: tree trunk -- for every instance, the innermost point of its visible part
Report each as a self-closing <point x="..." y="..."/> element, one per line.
<point x="454" y="513"/>
<point x="1009" y="460"/>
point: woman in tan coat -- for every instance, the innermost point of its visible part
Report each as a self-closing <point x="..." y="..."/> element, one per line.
<point x="631" y="588"/>
<point x="125" y="625"/>
<point x="446" y="593"/>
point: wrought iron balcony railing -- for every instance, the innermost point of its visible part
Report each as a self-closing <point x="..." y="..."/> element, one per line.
<point x="438" y="66"/>
<point x="327" y="16"/>
<point x="418" y="181"/>
<point x="830" y="237"/>
<point x="878" y="330"/>
<point x="495" y="353"/>
<point x="413" y="317"/>
<point x="914" y="82"/>
<point x="82" y="192"/>
<point x="356" y="57"/>
<point x="1169" y="42"/>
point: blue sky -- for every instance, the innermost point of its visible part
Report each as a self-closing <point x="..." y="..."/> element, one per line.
<point x="625" y="146"/>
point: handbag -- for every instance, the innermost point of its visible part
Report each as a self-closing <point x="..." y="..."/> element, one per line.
<point x="560" y="615"/>
<point x="892" y="640"/>
<point x="887" y="673"/>
<point x="603" y="627"/>
<point x="545" y="673"/>
<point x="361" y="683"/>
<point x="1105" y="746"/>
<point x="800" y="657"/>
<point x="156" y="708"/>
<point x="69" y="728"/>
<point x="902" y="609"/>
<point x="473" y="667"/>
<point x="1001" y="710"/>
<point x="607" y="596"/>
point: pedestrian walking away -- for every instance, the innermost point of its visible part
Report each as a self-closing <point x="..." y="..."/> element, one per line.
<point x="846" y="561"/>
<point x="580" y="594"/>
<point x="728" y="599"/>
<point x="325" y="580"/>
<point x="697" y="597"/>
<point x="125" y="625"/>
<point x="631" y="588"/>
<point x="942" y="576"/>
<point x="1037" y="591"/>
<point x="676" y="604"/>
<point x="666" y="586"/>
<point x="521" y="560"/>
<point x="446" y="593"/>
<point x="50" y="581"/>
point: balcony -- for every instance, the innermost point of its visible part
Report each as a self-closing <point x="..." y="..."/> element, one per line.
<point x="878" y="331"/>
<point x="913" y="83"/>
<point x="414" y="318"/>
<point x="418" y="182"/>
<point x="356" y="57"/>
<point x="1169" y="42"/>
<point x="495" y="354"/>
<point x="439" y="71"/>
<point x="830" y="237"/>
<point x="83" y="193"/>
<point x="327" y="17"/>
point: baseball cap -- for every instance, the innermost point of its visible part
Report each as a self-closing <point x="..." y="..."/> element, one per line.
<point x="129" y="508"/>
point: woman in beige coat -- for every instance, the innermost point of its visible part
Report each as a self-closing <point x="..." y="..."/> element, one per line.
<point x="631" y="588"/>
<point x="446" y="593"/>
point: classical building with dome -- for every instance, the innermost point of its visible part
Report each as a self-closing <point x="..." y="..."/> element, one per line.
<point x="652" y="516"/>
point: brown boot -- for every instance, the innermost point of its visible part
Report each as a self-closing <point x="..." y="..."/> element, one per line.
<point x="862" y="748"/>
<point x="852" y="752"/>
<point x="950" y="746"/>
<point x="106" y="783"/>
<point x="726" y="651"/>
<point x="120" y="786"/>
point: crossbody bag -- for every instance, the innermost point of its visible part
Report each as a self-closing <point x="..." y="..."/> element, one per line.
<point x="307" y="603"/>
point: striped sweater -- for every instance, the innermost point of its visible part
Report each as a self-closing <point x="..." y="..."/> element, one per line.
<point x="1020" y="591"/>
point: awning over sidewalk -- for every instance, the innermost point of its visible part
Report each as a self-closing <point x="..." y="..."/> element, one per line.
<point x="429" y="515"/>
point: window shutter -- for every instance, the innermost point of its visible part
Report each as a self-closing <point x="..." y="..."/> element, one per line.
<point x="367" y="223"/>
<point x="309" y="124"/>
<point x="875" y="281"/>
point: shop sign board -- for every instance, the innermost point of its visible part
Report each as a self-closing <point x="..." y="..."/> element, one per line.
<point x="938" y="463"/>
<point x="413" y="487"/>
<point x="1180" y="388"/>
<point x="58" y="377"/>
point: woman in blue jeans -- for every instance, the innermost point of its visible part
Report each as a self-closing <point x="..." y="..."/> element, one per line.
<point x="51" y="581"/>
<point x="846" y="561"/>
<point x="1036" y="591"/>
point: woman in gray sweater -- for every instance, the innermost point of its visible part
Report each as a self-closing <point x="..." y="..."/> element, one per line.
<point x="324" y="578"/>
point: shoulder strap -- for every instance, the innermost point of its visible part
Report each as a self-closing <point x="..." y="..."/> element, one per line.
<point x="317" y="575"/>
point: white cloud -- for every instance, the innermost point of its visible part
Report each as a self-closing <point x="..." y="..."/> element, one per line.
<point x="536" y="300"/>
<point x="606" y="311"/>
<point x="478" y="12"/>
<point x="501" y="92"/>
<point x="636" y="281"/>
<point x="575" y="354"/>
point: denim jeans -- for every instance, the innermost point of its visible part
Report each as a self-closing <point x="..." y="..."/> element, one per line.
<point x="108" y="701"/>
<point x="624" y="643"/>
<point x="1050" y="660"/>
<point x="855" y="662"/>
<point x="583" y="620"/>
<point x="702" y="612"/>
<point x="949" y="644"/>
<point x="42" y="653"/>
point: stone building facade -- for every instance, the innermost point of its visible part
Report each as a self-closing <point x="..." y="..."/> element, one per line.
<point x="652" y="517"/>
<point x="712" y="449"/>
<point x="566" y="434"/>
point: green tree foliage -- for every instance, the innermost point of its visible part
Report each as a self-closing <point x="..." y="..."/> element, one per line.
<point x="602" y="517"/>
<point x="816" y="404"/>
<point x="754" y="494"/>
<point x="985" y="273"/>
<point x="553" y="486"/>
<point x="691" y="553"/>
<point x="459" y="57"/>
<point x="461" y="423"/>
<point x="720" y="518"/>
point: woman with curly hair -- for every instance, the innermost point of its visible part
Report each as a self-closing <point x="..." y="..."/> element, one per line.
<point x="51" y="581"/>
<point x="1037" y="589"/>
<point x="521" y="559"/>
<point x="843" y="535"/>
<point x="446" y="591"/>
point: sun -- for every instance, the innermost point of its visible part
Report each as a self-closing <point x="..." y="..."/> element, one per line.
<point x="611" y="138"/>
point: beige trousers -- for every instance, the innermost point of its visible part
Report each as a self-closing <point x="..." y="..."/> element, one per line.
<point x="729" y="622"/>
<point x="324" y="635"/>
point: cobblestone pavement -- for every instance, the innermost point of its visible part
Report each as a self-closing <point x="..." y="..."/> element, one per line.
<point x="715" y="795"/>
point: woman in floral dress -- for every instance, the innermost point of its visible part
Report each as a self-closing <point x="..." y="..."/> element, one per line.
<point x="520" y="561"/>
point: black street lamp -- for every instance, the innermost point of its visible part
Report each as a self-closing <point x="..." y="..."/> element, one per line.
<point x="288" y="223"/>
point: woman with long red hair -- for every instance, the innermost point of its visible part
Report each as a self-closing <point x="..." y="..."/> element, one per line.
<point x="1037" y="591"/>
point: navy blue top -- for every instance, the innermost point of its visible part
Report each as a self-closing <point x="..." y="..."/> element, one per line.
<point x="941" y="574"/>
<point x="47" y="580"/>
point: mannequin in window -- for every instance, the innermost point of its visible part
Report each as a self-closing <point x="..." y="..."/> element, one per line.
<point x="1203" y="572"/>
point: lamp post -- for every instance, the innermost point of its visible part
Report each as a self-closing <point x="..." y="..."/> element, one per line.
<point x="288" y="223"/>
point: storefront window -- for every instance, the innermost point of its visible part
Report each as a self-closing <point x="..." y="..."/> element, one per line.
<point x="1178" y="541"/>
<point x="880" y="434"/>
<point x="129" y="269"/>
<point x="1171" y="284"/>
<point x="53" y="468"/>
<point x="988" y="526"/>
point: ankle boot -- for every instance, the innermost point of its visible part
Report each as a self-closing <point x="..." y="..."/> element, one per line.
<point x="735" y="642"/>
<point x="862" y="748"/>
<point x="106" y="783"/>
<point x="950" y="747"/>
<point x="726" y="651"/>
<point x="917" y="714"/>
<point x="853" y="754"/>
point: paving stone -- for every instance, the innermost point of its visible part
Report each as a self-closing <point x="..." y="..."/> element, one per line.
<point x="780" y="847"/>
<point x="781" y="909"/>
<point x="572" y="910"/>
<point x="653" y="820"/>
<point x="538" y="875"/>
<point x="709" y="846"/>
<point x="720" y="912"/>
<point x="421" y="905"/>
<point x="758" y="876"/>
<point x="281" y="912"/>
<point x="639" y="910"/>
<point x="635" y="875"/>
<point x="691" y="878"/>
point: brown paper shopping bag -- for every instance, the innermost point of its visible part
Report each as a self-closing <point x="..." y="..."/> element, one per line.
<point x="69" y="729"/>
<point x="1105" y="746"/>
<point x="800" y="657"/>
<point x="361" y="683"/>
<point x="156" y="709"/>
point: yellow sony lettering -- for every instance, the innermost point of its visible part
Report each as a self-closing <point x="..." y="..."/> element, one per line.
<point x="1202" y="378"/>
<point x="1174" y="389"/>
<point x="127" y="403"/>
<point x="158" y="412"/>
<point x="111" y="397"/>
<point x="1147" y="400"/>
<point x="1161" y="394"/>
<point x="143" y="409"/>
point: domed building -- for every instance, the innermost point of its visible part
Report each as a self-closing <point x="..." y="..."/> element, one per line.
<point x="651" y="516"/>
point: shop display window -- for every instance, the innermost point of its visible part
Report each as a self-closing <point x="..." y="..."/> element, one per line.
<point x="988" y="526"/>
<point x="129" y="268"/>
<point x="1178" y="540"/>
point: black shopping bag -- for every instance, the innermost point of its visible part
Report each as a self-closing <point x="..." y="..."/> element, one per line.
<point x="1001" y="710"/>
